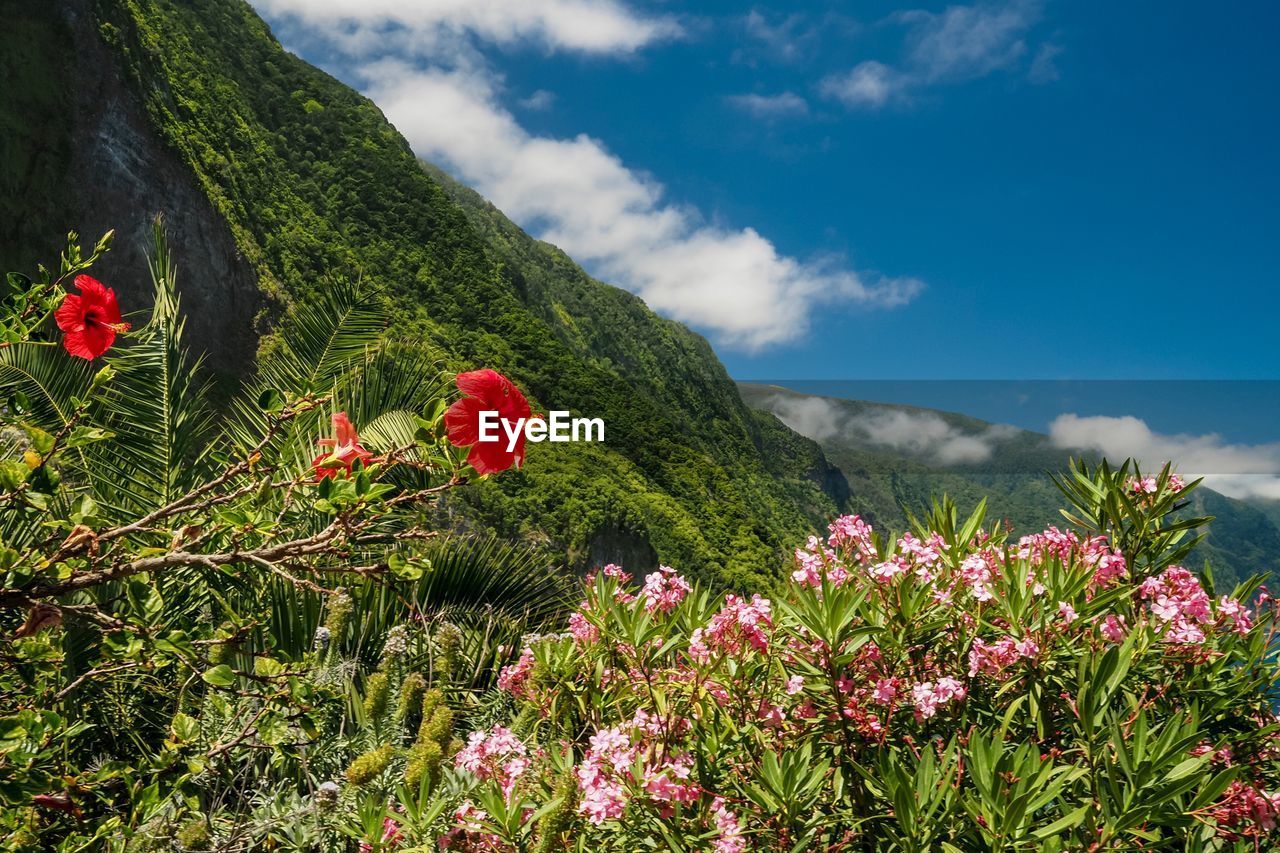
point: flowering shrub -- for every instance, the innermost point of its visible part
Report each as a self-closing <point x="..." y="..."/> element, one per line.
<point x="164" y="565"/>
<point x="950" y="688"/>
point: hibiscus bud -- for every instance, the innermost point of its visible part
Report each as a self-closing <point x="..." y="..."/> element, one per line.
<point x="103" y="376"/>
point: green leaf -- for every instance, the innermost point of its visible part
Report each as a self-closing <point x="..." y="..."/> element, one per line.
<point x="185" y="728"/>
<point x="220" y="676"/>
<point x="271" y="400"/>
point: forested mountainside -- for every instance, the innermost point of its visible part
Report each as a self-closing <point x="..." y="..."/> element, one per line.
<point x="889" y="474"/>
<point x="277" y="180"/>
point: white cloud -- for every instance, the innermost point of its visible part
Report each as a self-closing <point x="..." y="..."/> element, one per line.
<point x="812" y="417"/>
<point x="1044" y="68"/>
<point x="577" y="194"/>
<point x="958" y="44"/>
<point x="539" y="100"/>
<point x="925" y="436"/>
<point x="593" y="26"/>
<point x="1238" y="470"/>
<point x="869" y="84"/>
<point x="422" y="63"/>
<point x="781" y="105"/>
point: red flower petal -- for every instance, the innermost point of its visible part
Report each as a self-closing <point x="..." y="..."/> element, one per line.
<point x="345" y="431"/>
<point x="491" y="457"/>
<point x="462" y="422"/>
<point x="489" y="386"/>
<point x="487" y="391"/>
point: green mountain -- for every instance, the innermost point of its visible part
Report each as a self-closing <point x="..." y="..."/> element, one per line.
<point x="276" y="180"/>
<point x="896" y="457"/>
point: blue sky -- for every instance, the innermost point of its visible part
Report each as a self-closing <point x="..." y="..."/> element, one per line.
<point x="1002" y="190"/>
<point x="1020" y="189"/>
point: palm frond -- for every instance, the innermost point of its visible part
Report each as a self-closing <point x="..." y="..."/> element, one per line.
<point x="159" y="407"/>
<point x="48" y="380"/>
<point x="315" y="354"/>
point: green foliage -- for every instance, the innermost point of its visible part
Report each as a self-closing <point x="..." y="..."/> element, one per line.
<point x="316" y="185"/>
<point x="172" y="630"/>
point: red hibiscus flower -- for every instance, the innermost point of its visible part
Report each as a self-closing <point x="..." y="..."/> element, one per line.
<point x="89" y="319"/>
<point x="345" y="449"/>
<point x="487" y="391"/>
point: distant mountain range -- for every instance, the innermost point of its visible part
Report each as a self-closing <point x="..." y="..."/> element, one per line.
<point x="894" y="457"/>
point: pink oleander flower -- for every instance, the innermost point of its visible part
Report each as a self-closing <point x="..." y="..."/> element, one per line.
<point x="668" y="782"/>
<point x="1183" y="609"/>
<point x="885" y="691"/>
<point x="1051" y="544"/>
<point x="994" y="658"/>
<point x="1144" y="486"/>
<point x="1113" y="628"/>
<point x="929" y="696"/>
<point x="496" y="754"/>
<point x="664" y="590"/>
<point x="616" y="572"/>
<point x="739" y="626"/>
<point x="730" y="839"/>
<point x="890" y="569"/>
<point x="1245" y="811"/>
<point x="515" y="678"/>
<point x="1066" y="612"/>
<point x="467" y="832"/>
<point x="584" y="632"/>
<point x="602" y="773"/>
<point x="1240" y="619"/>
<point x="1110" y="568"/>
<point x="794" y="685"/>
<point x="851" y="534"/>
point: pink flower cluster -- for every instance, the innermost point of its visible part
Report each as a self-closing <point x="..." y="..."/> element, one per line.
<point x="497" y="754"/>
<point x="468" y="832"/>
<point x="852" y="535"/>
<point x="602" y="774"/>
<point x="1147" y="486"/>
<point x="928" y="696"/>
<point x="730" y="839"/>
<point x="1182" y="608"/>
<point x="850" y="541"/>
<point x="583" y="630"/>
<point x="994" y="658"/>
<point x="1246" y="812"/>
<point x="1113" y="628"/>
<point x="815" y="561"/>
<point x="739" y="625"/>
<point x="664" y="590"/>
<point x="670" y="783"/>
<point x="515" y="678"/>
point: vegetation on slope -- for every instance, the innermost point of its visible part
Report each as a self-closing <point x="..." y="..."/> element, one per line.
<point x="316" y="187"/>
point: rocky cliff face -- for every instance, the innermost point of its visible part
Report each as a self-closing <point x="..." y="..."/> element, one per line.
<point x="116" y="174"/>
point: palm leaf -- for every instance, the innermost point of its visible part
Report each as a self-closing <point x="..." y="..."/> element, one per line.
<point x="158" y="408"/>
<point x="315" y="354"/>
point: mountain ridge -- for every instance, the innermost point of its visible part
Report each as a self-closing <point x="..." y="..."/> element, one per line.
<point x="312" y="184"/>
<point x="890" y="477"/>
